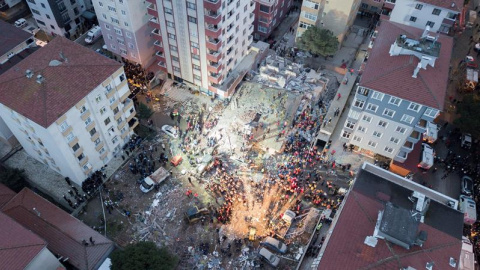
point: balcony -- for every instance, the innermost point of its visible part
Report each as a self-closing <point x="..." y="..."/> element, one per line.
<point x="154" y="21"/>
<point x="214" y="67"/>
<point x="161" y="55"/>
<point x="215" y="78"/>
<point x="214" y="56"/>
<point x="133" y="123"/>
<point x="212" y="4"/>
<point x="415" y="136"/>
<point x="152" y="10"/>
<point x="401" y="157"/>
<point x="85" y="115"/>
<point x="152" y="6"/>
<point x="212" y="17"/>
<point x="67" y="131"/>
<point x="213" y="31"/>
<point x="83" y="161"/>
<point x="158" y="44"/>
<point x="407" y="147"/>
<point x="99" y="146"/>
<point x="214" y="44"/>
<point x="156" y="32"/>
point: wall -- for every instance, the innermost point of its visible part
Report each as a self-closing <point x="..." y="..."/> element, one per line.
<point x="339" y="16"/>
<point x="278" y="11"/>
<point x="44" y="260"/>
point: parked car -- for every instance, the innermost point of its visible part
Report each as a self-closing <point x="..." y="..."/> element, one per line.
<point x="170" y="131"/>
<point x="467" y="185"/>
<point x="466" y="141"/>
<point x="268" y="256"/>
<point x="274" y="244"/>
<point x="20" y="23"/>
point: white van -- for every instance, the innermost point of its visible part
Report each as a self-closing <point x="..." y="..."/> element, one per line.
<point x="20" y="23"/>
<point x="469" y="209"/>
<point x="93" y="34"/>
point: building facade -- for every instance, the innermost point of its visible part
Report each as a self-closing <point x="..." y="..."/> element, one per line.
<point x="59" y="17"/>
<point x="125" y="29"/>
<point x="402" y="89"/>
<point x="440" y="16"/>
<point x="202" y="43"/>
<point x="79" y="124"/>
<point x="268" y="14"/>
<point x="336" y="16"/>
<point x="371" y="7"/>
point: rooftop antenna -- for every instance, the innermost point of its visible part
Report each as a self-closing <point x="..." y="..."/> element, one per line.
<point x="63" y="57"/>
<point x="36" y="211"/>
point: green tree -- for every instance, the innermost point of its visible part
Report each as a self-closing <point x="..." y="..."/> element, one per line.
<point x="13" y="178"/>
<point x="144" y="112"/>
<point x="469" y="110"/>
<point x="143" y="255"/>
<point x="318" y="41"/>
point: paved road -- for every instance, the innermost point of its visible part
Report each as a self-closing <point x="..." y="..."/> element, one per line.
<point x="97" y="45"/>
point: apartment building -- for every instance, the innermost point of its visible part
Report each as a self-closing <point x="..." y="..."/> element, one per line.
<point x="268" y="14"/>
<point x="402" y="88"/>
<point x="6" y="4"/>
<point x="371" y="7"/>
<point x="337" y="16"/>
<point x="125" y="29"/>
<point x="68" y="107"/>
<point x="202" y="43"/>
<point x="59" y="17"/>
<point x="438" y="15"/>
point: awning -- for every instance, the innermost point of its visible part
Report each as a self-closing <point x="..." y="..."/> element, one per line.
<point x="88" y="15"/>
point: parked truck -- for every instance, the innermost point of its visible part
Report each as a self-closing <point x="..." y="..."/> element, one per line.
<point x="93" y="35"/>
<point x="154" y="179"/>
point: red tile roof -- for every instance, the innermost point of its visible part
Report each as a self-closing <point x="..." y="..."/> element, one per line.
<point x="6" y="194"/>
<point x="11" y="37"/>
<point x="393" y="74"/>
<point x="457" y="4"/>
<point x="64" y="85"/>
<point x="18" y="246"/>
<point x="346" y="249"/>
<point x="63" y="233"/>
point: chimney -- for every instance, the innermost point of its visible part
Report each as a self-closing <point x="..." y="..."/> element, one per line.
<point x="29" y="73"/>
<point x="417" y="69"/>
<point x="36" y="211"/>
<point x="40" y="79"/>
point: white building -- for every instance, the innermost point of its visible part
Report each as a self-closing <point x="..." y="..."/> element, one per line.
<point x="203" y="42"/>
<point x="439" y="15"/>
<point x="68" y="107"/>
<point x="125" y="29"/>
<point x="59" y="17"/>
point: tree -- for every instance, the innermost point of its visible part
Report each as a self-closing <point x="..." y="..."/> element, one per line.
<point x="469" y="110"/>
<point x="318" y="41"/>
<point x="143" y="255"/>
<point x="13" y="178"/>
<point x="144" y="112"/>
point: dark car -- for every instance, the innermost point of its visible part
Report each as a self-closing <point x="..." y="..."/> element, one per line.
<point x="467" y="185"/>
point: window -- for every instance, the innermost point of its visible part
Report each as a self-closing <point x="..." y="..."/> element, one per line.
<point x="48" y="16"/>
<point x="104" y="16"/>
<point x="192" y="19"/>
<point x="196" y="77"/>
<point x="377" y="134"/>
<point x="125" y="23"/>
<point x="262" y="29"/>
<point x="354" y="114"/>
<point x="362" y="129"/>
<point x="75" y="147"/>
<point x="195" y="56"/>
<point x="64" y="126"/>
<point x="114" y="20"/>
<point x="395" y="101"/>
<point x="311" y="4"/>
<point x="346" y="134"/>
<point x="100" y="4"/>
<point x="436" y="11"/>
<point x="388" y="112"/>
<point x="431" y="112"/>
<point x="92" y="131"/>
<point x="101" y="150"/>
<point x="177" y="69"/>
<point x="263" y="19"/>
<point x="372" y="144"/>
<point x="119" y="120"/>
<point x="35" y="11"/>
<point x="414" y="107"/>
<point x="170" y="24"/>
<point x="118" y="31"/>
<point x="115" y="139"/>
<point x="115" y="111"/>
<point x="357" y="138"/>
<point x="53" y="27"/>
<point x="407" y="118"/>
<point x="112" y="100"/>
<point x="98" y="98"/>
<point x="419" y="6"/>
<point x="110" y="37"/>
<point x="431" y="24"/>
<point x="88" y="121"/>
<point x="377" y="95"/>
<point x="372" y="107"/>
<point x="193" y="44"/>
<point x="388" y="149"/>
<point x="107" y="121"/>
<point x="400" y="129"/>
<point x="97" y="141"/>
<point x="305" y="25"/>
<point x="264" y="8"/>
<point x="309" y="16"/>
<point x="128" y="34"/>
<point x="349" y="124"/>
<point x="121" y="42"/>
<point x="192" y="6"/>
<point x="196" y="67"/>
<point x="359" y="103"/>
<point x="382" y="123"/>
<point x="168" y="11"/>
<point x="413" y="19"/>
<point x="171" y="36"/>
<point x="363" y="91"/>
<point x="394" y="140"/>
<point x="124" y="12"/>
<point x="70" y="137"/>
<point x="174" y="58"/>
<point x="367" y="118"/>
<point x="83" y="109"/>
<point x="81" y="156"/>
<point x="112" y="9"/>
<point x="41" y="22"/>
<point x="173" y="48"/>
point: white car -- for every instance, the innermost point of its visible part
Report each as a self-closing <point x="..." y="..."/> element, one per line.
<point x="170" y="131"/>
<point x="268" y="256"/>
<point x="21" y="23"/>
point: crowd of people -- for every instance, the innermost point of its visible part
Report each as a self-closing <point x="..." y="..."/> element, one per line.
<point x="137" y="76"/>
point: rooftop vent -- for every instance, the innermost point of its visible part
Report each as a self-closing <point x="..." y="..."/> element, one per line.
<point x="54" y="63"/>
<point x="65" y="59"/>
<point x="452" y="262"/>
<point x="40" y="79"/>
<point x="429" y="266"/>
<point x="29" y="73"/>
<point x="36" y="211"/>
